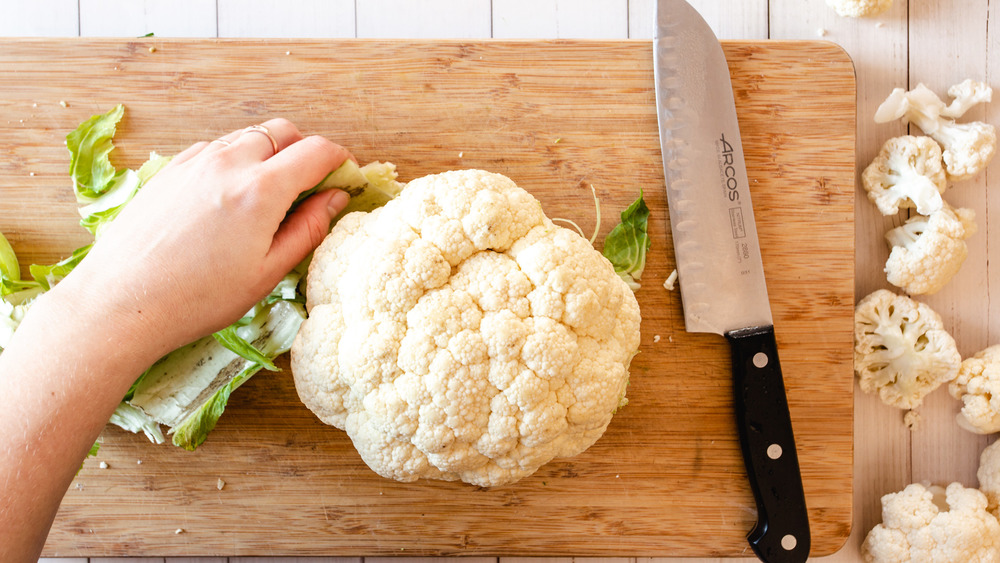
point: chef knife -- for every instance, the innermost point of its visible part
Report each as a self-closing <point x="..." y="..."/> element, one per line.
<point x="719" y="265"/>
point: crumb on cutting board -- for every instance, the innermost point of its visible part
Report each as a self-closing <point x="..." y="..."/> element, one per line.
<point x="671" y="282"/>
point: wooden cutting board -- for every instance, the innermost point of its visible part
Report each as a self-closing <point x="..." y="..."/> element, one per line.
<point x="556" y="116"/>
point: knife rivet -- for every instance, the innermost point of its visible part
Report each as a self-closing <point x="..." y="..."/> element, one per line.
<point x="760" y="360"/>
<point x="788" y="542"/>
<point x="774" y="451"/>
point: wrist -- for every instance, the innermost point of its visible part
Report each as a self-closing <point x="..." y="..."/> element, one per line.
<point x="102" y="320"/>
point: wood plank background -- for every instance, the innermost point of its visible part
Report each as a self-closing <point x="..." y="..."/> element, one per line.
<point x="938" y="42"/>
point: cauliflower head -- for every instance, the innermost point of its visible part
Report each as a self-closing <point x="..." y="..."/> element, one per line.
<point x="921" y="523"/>
<point x="926" y="252"/>
<point x="906" y="173"/>
<point x="458" y="334"/>
<point x="977" y="385"/>
<point x="859" y="8"/>
<point x="989" y="476"/>
<point x="968" y="148"/>
<point x="901" y="349"/>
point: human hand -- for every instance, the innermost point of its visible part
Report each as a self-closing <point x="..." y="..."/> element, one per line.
<point x="208" y="236"/>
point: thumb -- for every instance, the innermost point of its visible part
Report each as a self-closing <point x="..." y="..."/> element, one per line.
<point x="304" y="229"/>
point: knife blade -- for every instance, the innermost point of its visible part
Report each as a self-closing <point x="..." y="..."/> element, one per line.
<point x="719" y="266"/>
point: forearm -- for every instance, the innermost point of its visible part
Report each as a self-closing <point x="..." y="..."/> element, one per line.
<point x="60" y="379"/>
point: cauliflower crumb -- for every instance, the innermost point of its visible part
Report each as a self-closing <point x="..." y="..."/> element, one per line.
<point x="63" y="103"/>
<point x="138" y="462"/>
<point x="152" y="49"/>
<point x="821" y="32"/>
<point x="220" y="484"/>
<point x="179" y="531"/>
<point x="933" y="524"/>
<point x="977" y="385"/>
<point x="461" y="153"/>
<point x="879" y="25"/>
<point x="656" y="338"/>
<point x="31" y="173"/>
<point x="670" y="283"/>
<point x="912" y="420"/>
<point x="901" y="350"/>
<point x="103" y="465"/>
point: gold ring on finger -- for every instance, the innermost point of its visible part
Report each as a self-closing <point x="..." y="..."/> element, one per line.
<point x="264" y="131"/>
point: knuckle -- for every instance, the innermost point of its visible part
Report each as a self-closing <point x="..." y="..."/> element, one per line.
<point x="321" y="143"/>
<point x="282" y="124"/>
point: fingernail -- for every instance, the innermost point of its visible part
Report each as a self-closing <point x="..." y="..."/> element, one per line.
<point x="338" y="201"/>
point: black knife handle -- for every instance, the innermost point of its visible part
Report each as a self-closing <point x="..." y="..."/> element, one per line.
<point x="781" y="534"/>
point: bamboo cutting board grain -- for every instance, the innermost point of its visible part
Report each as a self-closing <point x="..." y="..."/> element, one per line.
<point x="556" y="116"/>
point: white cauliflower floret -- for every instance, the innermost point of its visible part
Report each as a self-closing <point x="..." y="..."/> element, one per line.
<point x="968" y="147"/>
<point x="966" y="94"/>
<point x="934" y="525"/>
<point x="927" y="252"/>
<point x="901" y="350"/>
<point x="906" y="173"/>
<point x="859" y="8"/>
<point x="978" y="386"/>
<point x="989" y="476"/>
<point x="458" y="334"/>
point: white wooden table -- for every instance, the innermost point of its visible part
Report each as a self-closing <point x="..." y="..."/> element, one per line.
<point x="938" y="42"/>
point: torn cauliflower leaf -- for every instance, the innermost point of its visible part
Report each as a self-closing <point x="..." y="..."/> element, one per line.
<point x="458" y="334"/>
<point x="901" y="350"/>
